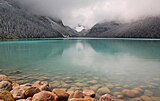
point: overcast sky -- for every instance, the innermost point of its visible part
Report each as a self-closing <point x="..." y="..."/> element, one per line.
<point x="89" y="12"/>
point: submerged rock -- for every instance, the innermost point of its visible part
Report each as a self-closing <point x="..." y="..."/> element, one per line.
<point x="128" y="93"/>
<point x="146" y="98"/>
<point x="66" y="86"/>
<point x="85" y="88"/>
<point x="80" y="84"/>
<point x="31" y="91"/>
<point x="29" y="99"/>
<point x="148" y="93"/>
<point x="19" y="92"/>
<point x="22" y="100"/>
<point x="15" y="72"/>
<point x="5" y="85"/>
<point x="27" y="84"/>
<point x="44" y="96"/>
<point x="61" y="94"/>
<point x="81" y="99"/>
<point x="136" y="99"/>
<point x="55" y="84"/>
<point x="136" y="92"/>
<point x="107" y="97"/>
<point x="6" y="96"/>
<point x="76" y="94"/>
<point x="118" y="95"/>
<point x="103" y="90"/>
<point x="118" y="88"/>
<point x="139" y="89"/>
<point x="42" y="85"/>
<point x="74" y="88"/>
<point x="94" y="87"/>
<point x="156" y="98"/>
<point x="70" y="92"/>
<point x="42" y="78"/>
<point x="110" y="86"/>
<point x="14" y="85"/>
<point x="89" y="93"/>
<point x="4" y="78"/>
<point x="93" y="82"/>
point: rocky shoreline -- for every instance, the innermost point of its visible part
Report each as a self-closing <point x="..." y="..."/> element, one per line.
<point x="41" y="91"/>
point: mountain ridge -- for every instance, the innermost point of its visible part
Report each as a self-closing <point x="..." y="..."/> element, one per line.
<point x="144" y="28"/>
<point x="17" y="22"/>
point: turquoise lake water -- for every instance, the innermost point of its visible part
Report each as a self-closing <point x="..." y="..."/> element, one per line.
<point x="108" y="61"/>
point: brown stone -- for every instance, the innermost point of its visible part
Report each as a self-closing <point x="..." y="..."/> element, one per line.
<point x="107" y="97"/>
<point x="29" y="99"/>
<point x="42" y="78"/>
<point x="31" y="91"/>
<point x="110" y="86"/>
<point x="117" y="93"/>
<point x="94" y="88"/>
<point x="93" y="99"/>
<point x="81" y="99"/>
<point x="136" y="92"/>
<point x="55" y="84"/>
<point x="139" y="89"/>
<point x="44" y="96"/>
<point x="128" y="93"/>
<point x="103" y="90"/>
<point x="93" y="82"/>
<point x="148" y="93"/>
<point x="70" y="92"/>
<point x="19" y="92"/>
<point x="4" y="78"/>
<point x="5" y="85"/>
<point x="27" y="84"/>
<point x="146" y="98"/>
<point x="42" y="85"/>
<point x="126" y="86"/>
<point x="79" y="84"/>
<point x="118" y="88"/>
<point x="14" y="85"/>
<point x="61" y="94"/>
<point x="6" y="96"/>
<point x="78" y="94"/>
<point x="118" y="100"/>
<point x="90" y="93"/>
<point x="156" y="98"/>
<point x="21" y="100"/>
<point x="136" y="99"/>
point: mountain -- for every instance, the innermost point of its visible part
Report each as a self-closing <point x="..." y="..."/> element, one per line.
<point x="144" y="28"/>
<point x="17" y="22"/>
<point x="73" y="32"/>
<point x="83" y="32"/>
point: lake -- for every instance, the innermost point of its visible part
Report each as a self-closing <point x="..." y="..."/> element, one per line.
<point x="77" y="64"/>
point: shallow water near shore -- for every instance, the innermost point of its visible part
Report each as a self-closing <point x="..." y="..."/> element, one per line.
<point x="84" y="63"/>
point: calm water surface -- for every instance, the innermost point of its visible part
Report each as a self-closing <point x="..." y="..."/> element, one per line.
<point x="120" y="62"/>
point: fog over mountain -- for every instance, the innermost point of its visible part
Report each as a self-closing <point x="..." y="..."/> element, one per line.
<point x="91" y="18"/>
<point x="144" y="28"/>
<point x="17" y="21"/>
<point x="90" y="12"/>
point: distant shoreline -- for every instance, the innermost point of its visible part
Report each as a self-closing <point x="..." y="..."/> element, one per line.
<point x="79" y="38"/>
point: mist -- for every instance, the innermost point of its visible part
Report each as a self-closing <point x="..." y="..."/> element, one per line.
<point x="90" y="12"/>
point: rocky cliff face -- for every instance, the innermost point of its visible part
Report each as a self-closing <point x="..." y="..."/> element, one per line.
<point x="146" y="28"/>
<point x="17" y="22"/>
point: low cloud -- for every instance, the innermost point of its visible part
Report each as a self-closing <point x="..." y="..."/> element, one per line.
<point x="89" y="12"/>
